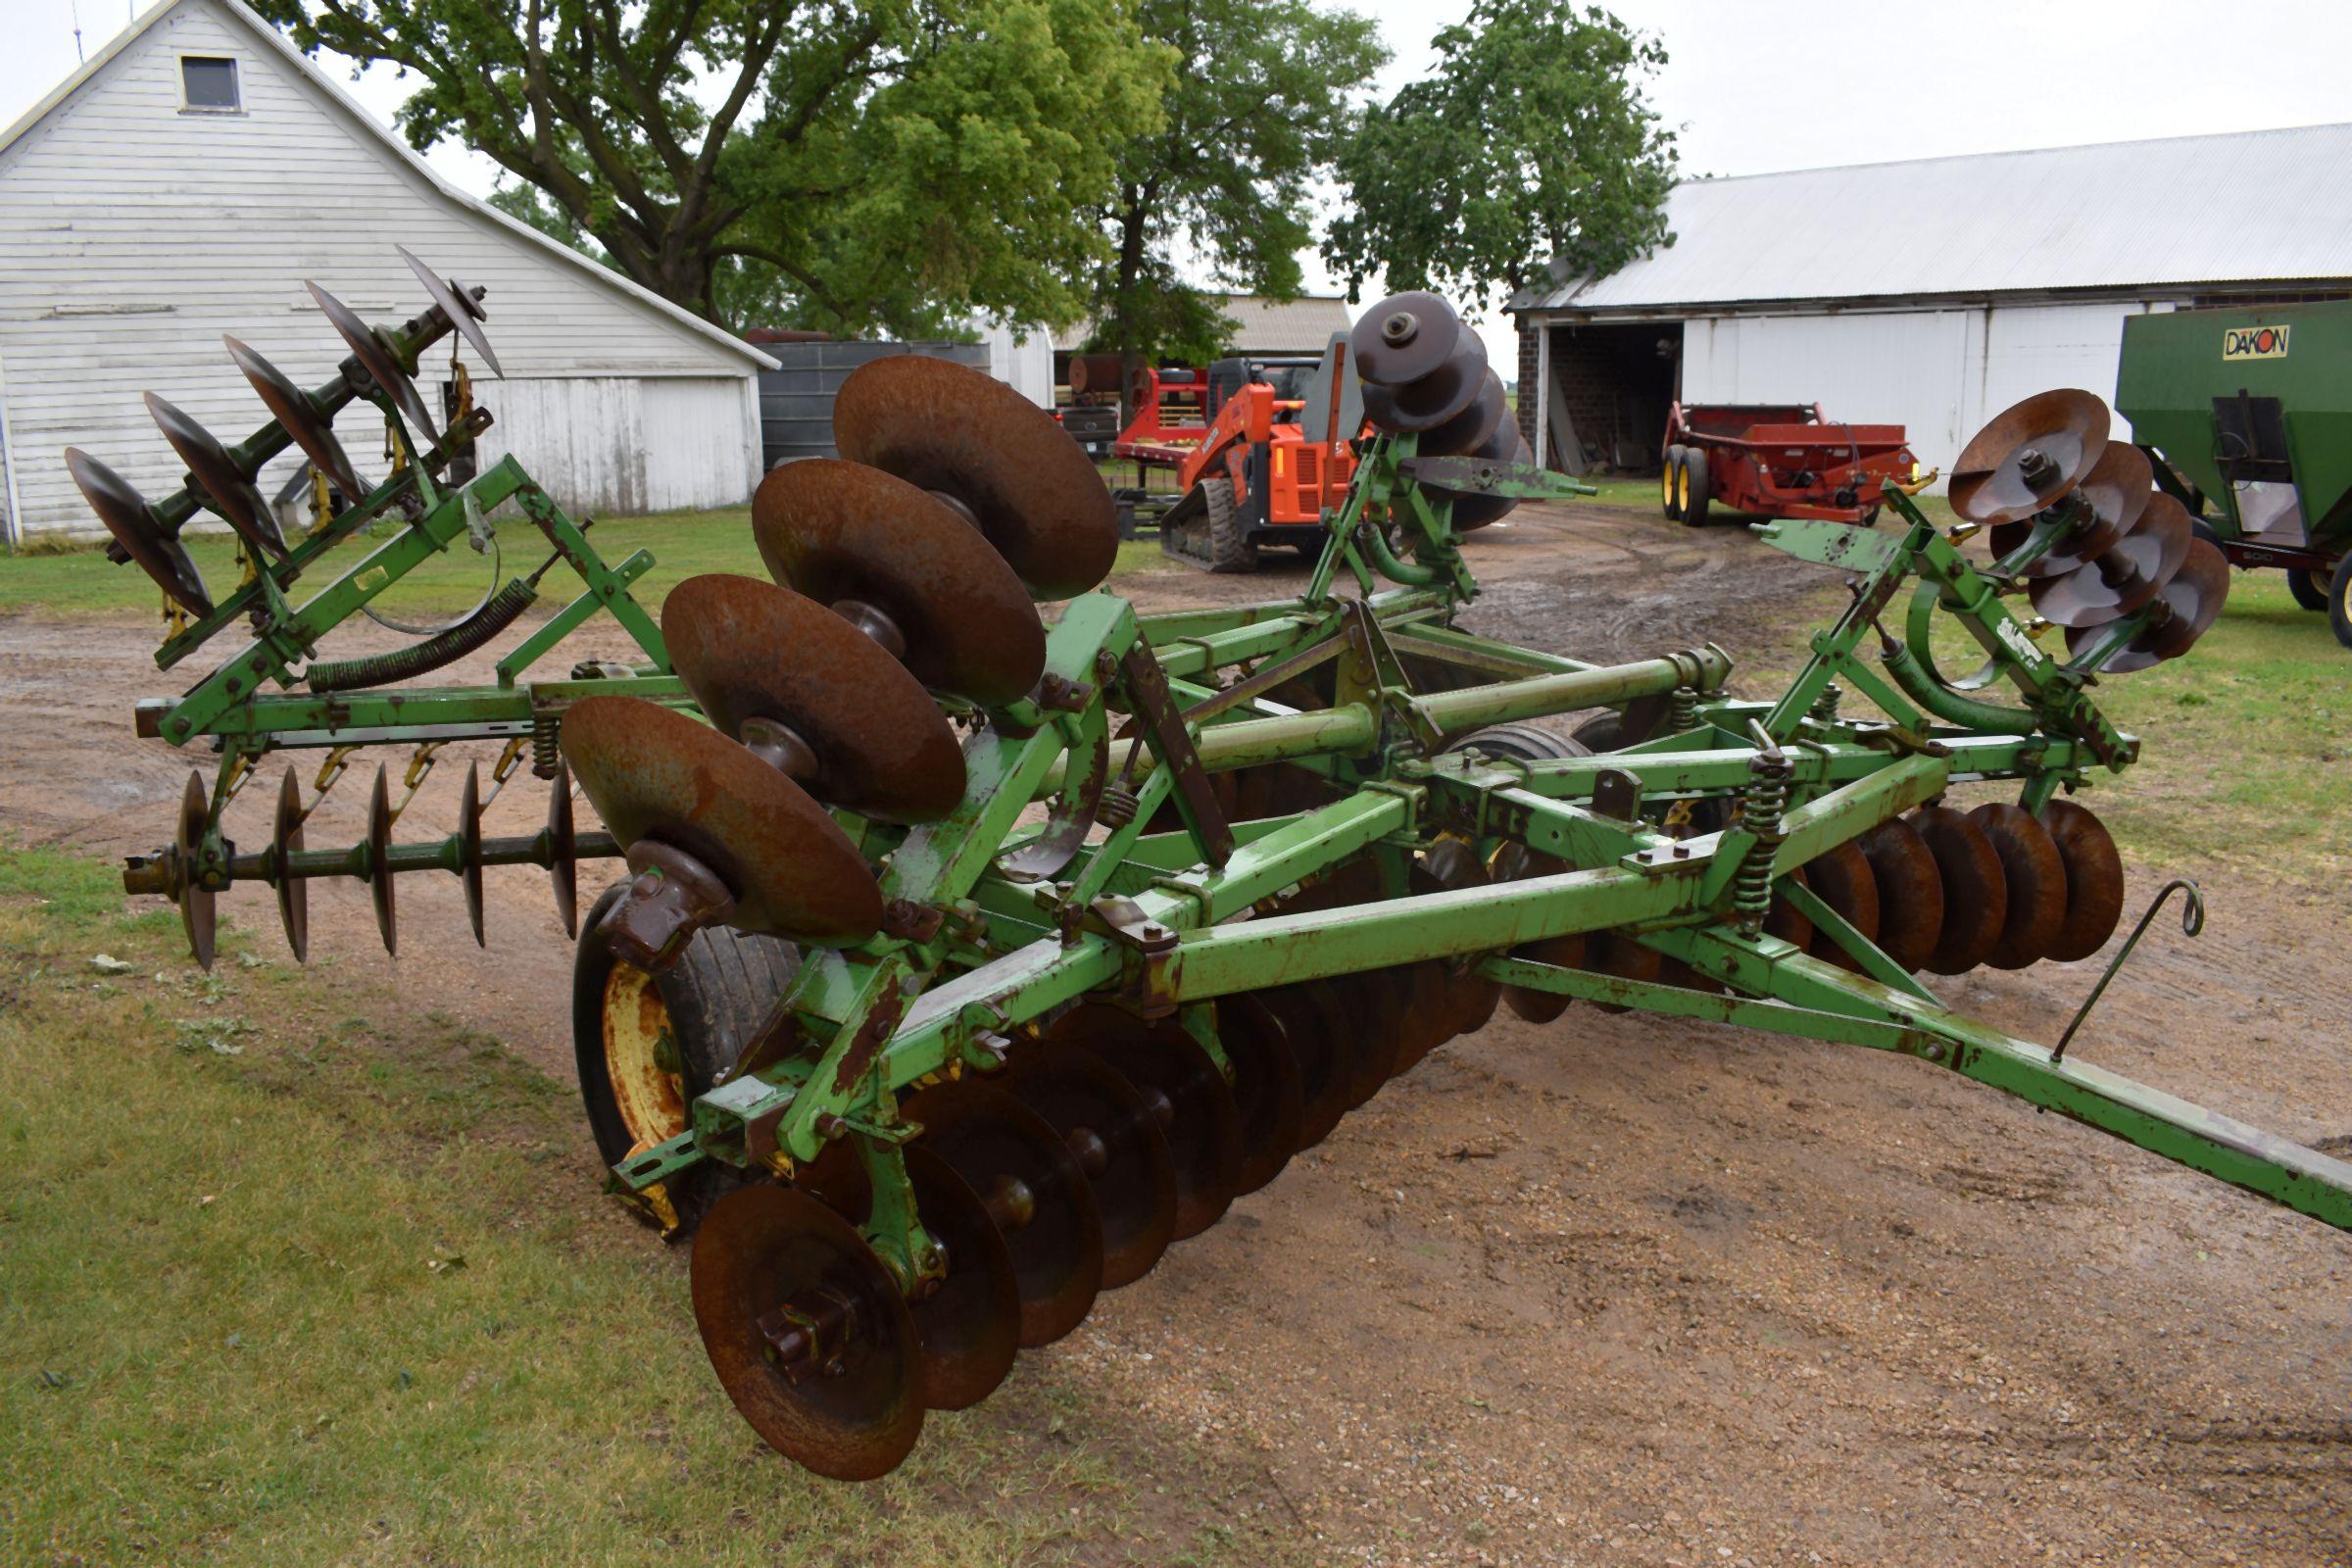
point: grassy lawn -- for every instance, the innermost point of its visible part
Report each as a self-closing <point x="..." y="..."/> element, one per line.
<point x="683" y="544"/>
<point x="287" y="1281"/>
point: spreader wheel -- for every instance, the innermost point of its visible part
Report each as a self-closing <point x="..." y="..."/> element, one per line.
<point x="1670" y="483"/>
<point x="808" y="1332"/>
<point x="2309" y="588"/>
<point x="1698" y="488"/>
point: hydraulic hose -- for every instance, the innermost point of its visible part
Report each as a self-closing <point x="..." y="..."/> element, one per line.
<point x="443" y="648"/>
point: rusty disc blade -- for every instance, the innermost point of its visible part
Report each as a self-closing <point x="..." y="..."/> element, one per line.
<point x="1266" y="1088"/>
<point x="967" y="1323"/>
<point x="458" y="307"/>
<point x="1032" y="1189"/>
<point x="2126" y="576"/>
<point x="1514" y="862"/>
<point x="293" y="892"/>
<point x="1404" y="337"/>
<point x="2109" y="499"/>
<point x="1472" y="511"/>
<point x="1425" y="1018"/>
<point x="2033" y="877"/>
<point x="1187" y="1095"/>
<point x="1119" y="1145"/>
<point x="1976" y="894"/>
<point x="2094" y="880"/>
<point x="768" y="1258"/>
<point x="380" y="861"/>
<point x="1784" y="920"/>
<point x="1471" y="997"/>
<point x="222" y="486"/>
<point x="990" y="453"/>
<point x="1999" y="479"/>
<point x="847" y="536"/>
<point x="1373" y="1049"/>
<point x="1842" y="878"/>
<point x="135" y="527"/>
<point x="1440" y="397"/>
<point x="299" y="417"/>
<point x="376" y="361"/>
<point x="1910" y="892"/>
<point x="198" y="905"/>
<point x="871" y="740"/>
<point x="2192" y="600"/>
<point x="653" y="774"/>
<point x="562" y="845"/>
<point x="1316" y="1022"/>
<point x="1627" y="958"/>
<point x="1470" y="429"/>
<point x="470" y="848"/>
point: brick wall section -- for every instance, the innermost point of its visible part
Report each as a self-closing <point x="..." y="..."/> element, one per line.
<point x="1529" y="336"/>
<point x="1585" y="377"/>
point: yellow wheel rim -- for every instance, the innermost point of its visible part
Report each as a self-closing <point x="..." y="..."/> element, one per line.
<point x="1681" y="488"/>
<point x="640" y="1057"/>
<point x="1666" y="487"/>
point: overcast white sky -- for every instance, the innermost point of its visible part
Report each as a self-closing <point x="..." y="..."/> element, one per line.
<point x="1761" y="87"/>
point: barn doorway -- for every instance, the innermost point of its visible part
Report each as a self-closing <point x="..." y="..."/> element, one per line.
<point x="1610" y="386"/>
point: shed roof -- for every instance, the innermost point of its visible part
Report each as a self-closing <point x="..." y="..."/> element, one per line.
<point x="374" y="131"/>
<point x="1303" y="325"/>
<point x="2250" y="207"/>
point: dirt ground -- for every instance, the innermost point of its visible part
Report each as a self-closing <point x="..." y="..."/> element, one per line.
<point x="1619" y="1289"/>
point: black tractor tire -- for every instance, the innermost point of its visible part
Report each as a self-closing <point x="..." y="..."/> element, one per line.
<point x="2309" y="587"/>
<point x="1668" y="480"/>
<point x="1521" y="743"/>
<point x="713" y="1001"/>
<point x="2339" y="602"/>
<point x="1229" y="548"/>
<point x="1696" y="492"/>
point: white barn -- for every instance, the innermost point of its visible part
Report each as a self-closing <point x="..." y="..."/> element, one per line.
<point x="1934" y="293"/>
<point x="187" y="179"/>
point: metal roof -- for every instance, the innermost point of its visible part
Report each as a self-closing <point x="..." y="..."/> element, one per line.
<point x="2252" y="206"/>
<point x="1301" y="325"/>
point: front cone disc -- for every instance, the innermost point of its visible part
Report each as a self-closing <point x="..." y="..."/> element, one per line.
<point x="135" y="527"/>
<point x="1976" y="897"/>
<point x="1190" y="1100"/>
<point x="750" y="651"/>
<point x="198" y="916"/>
<point x="808" y="1332"/>
<point x="654" y="774"/>
<point x="1032" y="1187"/>
<point x="293" y="892"/>
<point x="2094" y="880"/>
<point x="970" y="438"/>
<point x="848" y="536"/>
<point x="968" y="1321"/>
<point x="2034" y="877"/>
<point x="1119" y="1145"/>
<point x="1266" y="1088"/>
<point x="1993" y="480"/>
<point x="1910" y="892"/>
<point x="1842" y="878"/>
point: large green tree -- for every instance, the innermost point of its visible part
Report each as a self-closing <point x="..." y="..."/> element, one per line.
<point x="848" y="164"/>
<point x="1264" y="98"/>
<point x="1531" y="143"/>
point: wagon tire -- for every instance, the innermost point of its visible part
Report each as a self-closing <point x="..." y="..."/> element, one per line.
<point x="1670" y="481"/>
<point x="711" y="1003"/>
<point x="2339" y="602"/>
<point x="2309" y="587"/>
<point x="1697" y="491"/>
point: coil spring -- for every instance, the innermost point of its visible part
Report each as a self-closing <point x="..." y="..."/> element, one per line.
<point x="1825" y="706"/>
<point x="1761" y="806"/>
<point x="547" y="745"/>
<point x="1682" y="713"/>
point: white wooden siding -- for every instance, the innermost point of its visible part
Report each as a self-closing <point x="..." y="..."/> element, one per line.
<point x="1941" y="374"/>
<point x="133" y="235"/>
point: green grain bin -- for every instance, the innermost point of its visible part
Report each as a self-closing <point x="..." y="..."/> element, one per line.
<point x="2251" y="408"/>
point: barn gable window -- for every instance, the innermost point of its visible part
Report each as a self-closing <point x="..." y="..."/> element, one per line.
<point x="209" y="83"/>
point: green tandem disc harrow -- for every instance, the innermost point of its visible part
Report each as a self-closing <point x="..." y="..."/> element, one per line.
<point x="965" y="962"/>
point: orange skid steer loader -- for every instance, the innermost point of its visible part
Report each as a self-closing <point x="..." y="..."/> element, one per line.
<point x="1275" y="454"/>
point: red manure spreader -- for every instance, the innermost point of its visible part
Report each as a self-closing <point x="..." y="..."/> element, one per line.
<point x="1778" y="459"/>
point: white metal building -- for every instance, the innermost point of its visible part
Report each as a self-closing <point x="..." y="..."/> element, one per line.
<point x="1934" y="293"/>
<point x="185" y="182"/>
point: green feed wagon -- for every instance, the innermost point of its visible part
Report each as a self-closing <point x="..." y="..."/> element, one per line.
<point x="2250" y="409"/>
